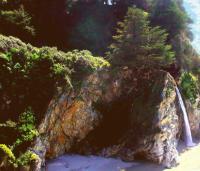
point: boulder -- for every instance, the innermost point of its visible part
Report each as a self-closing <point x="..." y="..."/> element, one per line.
<point x="126" y="113"/>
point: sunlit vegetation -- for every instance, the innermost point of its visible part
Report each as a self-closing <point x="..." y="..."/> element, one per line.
<point x="189" y="86"/>
<point x="15" y="153"/>
<point x="149" y="34"/>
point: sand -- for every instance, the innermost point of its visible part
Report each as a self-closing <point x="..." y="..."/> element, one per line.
<point x="189" y="161"/>
<point x="86" y="163"/>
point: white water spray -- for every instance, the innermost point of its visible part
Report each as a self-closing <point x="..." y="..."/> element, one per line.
<point x="188" y="134"/>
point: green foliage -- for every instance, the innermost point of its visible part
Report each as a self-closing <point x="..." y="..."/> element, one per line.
<point x="7" y="151"/>
<point x="85" y="61"/>
<point x="8" y="124"/>
<point x="26" y="132"/>
<point x="58" y="69"/>
<point x="169" y="90"/>
<point x="8" y="158"/>
<point x="170" y="15"/>
<point x="18" y="17"/>
<point x="15" y="20"/>
<point x="189" y="86"/>
<point x="29" y="77"/>
<point x="26" y="158"/>
<point x="26" y="128"/>
<point x="136" y="42"/>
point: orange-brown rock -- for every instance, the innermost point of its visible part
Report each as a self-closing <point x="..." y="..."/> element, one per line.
<point x="128" y="113"/>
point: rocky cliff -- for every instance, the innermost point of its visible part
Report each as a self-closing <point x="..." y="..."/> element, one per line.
<point x="194" y="116"/>
<point x="126" y="113"/>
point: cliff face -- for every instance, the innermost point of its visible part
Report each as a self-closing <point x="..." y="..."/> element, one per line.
<point x="129" y="113"/>
<point x="194" y="116"/>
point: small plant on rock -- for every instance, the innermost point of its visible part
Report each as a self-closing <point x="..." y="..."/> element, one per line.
<point x="189" y="86"/>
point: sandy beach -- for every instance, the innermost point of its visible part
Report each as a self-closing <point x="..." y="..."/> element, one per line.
<point x="189" y="161"/>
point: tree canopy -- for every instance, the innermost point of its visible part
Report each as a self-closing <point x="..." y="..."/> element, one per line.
<point x="136" y="41"/>
<point x="169" y="15"/>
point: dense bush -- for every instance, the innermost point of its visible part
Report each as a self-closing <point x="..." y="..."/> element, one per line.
<point x="29" y="76"/>
<point x="26" y="128"/>
<point x="26" y="76"/>
<point x="15" y="154"/>
<point x="26" y="158"/>
<point x="189" y="86"/>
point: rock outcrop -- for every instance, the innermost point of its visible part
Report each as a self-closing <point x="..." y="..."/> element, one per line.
<point x="193" y="111"/>
<point x="127" y="113"/>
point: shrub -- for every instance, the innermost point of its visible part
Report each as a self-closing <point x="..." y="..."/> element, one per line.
<point x="30" y="76"/>
<point x="26" y="131"/>
<point x="26" y="128"/>
<point x="189" y="86"/>
<point x="7" y="157"/>
<point x="26" y="158"/>
<point x="7" y="151"/>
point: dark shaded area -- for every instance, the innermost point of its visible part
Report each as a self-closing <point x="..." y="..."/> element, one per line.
<point x="21" y="90"/>
<point x="4" y="138"/>
<point x="128" y="118"/>
<point x="66" y="24"/>
<point x="50" y="21"/>
<point x="115" y="123"/>
<point x="169" y="15"/>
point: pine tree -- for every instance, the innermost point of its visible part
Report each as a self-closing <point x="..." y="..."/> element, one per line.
<point x="136" y="42"/>
<point x="170" y="16"/>
<point x="15" y="20"/>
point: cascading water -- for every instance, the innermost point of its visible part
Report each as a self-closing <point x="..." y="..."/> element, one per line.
<point x="188" y="134"/>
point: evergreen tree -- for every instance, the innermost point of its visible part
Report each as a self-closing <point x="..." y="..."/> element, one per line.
<point x="169" y="15"/>
<point x="15" y="20"/>
<point x="136" y="42"/>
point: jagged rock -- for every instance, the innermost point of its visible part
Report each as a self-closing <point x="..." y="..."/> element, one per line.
<point x="126" y="113"/>
<point x="153" y="119"/>
<point x="193" y="111"/>
<point x="68" y="120"/>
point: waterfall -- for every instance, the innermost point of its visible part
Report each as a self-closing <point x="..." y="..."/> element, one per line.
<point x="108" y="2"/>
<point x="188" y="134"/>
